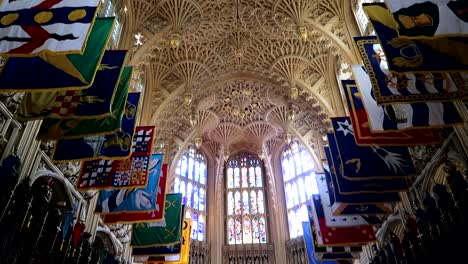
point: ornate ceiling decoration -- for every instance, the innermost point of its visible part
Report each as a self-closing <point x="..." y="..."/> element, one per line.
<point x="238" y="63"/>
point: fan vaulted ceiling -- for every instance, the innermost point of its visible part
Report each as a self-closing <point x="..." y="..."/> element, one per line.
<point x="239" y="60"/>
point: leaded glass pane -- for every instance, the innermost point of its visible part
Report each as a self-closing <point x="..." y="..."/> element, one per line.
<point x="190" y="168"/>
<point x="231" y="231"/>
<point x="202" y="173"/>
<point x="238" y="230"/>
<point x="288" y="192"/>
<point x="299" y="184"/>
<point x="201" y="200"/>
<point x="256" y="230"/>
<point x="197" y="171"/>
<point x="253" y="202"/>
<point x="295" y="194"/>
<point x="237" y="203"/>
<point x="302" y="191"/>
<point x="262" y="228"/>
<point x="244" y="177"/>
<point x="230" y="179"/>
<point x="194" y="226"/>
<point x="189" y="201"/>
<point x="247" y="230"/>
<point x="184" y="166"/>
<point x="195" y="198"/>
<point x="251" y="177"/>
<point x="261" y="204"/>
<point x="245" y="200"/>
<point x="190" y="181"/>
<point x="201" y="227"/>
<point x="258" y="173"/>
<point x="297" y="163"/>
<point x="182" y="188"/>
<point x="230" y="199"/>
<point x="245" y="203"/>
<point x="236" y="177"/>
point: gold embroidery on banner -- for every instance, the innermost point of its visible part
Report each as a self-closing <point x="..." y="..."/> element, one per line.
<point x="76" y="15"/>
<point x="9" y="19"/>
<point x="43" y="17"/>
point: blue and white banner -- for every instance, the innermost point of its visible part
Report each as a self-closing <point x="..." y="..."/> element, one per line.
<point x="390" y="88"/>
<point x="29" y="27"/>
<point x="403" y="116"/>
<point x="133" y="200"/>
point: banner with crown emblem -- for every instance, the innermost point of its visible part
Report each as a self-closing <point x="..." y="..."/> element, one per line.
<point x="52" y="128"/>
<point x="120" y="174"/>
<point x="57" y="72"/>
<point x="416" y="55"/>
<point x="146" y="235"/>
<point x="156" y="215"/>
<point x="430" y="18"/>
<point x="392" y="88"/>
<point x="113" y="146"/>
<point x="135" y="199"/>
<point x="90" y="103"/>
<point x="369" y="162"/>
<point x="403" y="116"/>
<point x="365" y="137"/>
<point x="30" y="27"/>
<point x="348" y="198"/>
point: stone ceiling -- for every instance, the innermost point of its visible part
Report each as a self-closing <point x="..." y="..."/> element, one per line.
<point x="234" y="55"/>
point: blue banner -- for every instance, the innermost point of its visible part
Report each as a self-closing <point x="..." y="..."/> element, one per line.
<point x="133" y="200"/>
<point x="416" y="55"/>
<point x="113" y="146"/>
<point x="391" y="88"/>
<point x="368" y="162"/>
<point x="347" y="186"/>
<point x="355" y="203"/>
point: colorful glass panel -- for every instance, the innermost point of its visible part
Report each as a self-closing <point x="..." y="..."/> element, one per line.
<point x="190" y="180"/>
<point x="230" y="179"/>
<point x="245" y="200"/>
<point x="230" y="203"/>
<point x="245" y="203"/>
<point x="258" y="173"/>
<point x="238" y="231"/>
<point x="231" y="231"/>
<point x="299" y="185"/>
<point x="253" y="202"/>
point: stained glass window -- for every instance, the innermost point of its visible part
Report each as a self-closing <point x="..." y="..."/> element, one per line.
<point x="190" y="180"/>
<point x="246" y="215"/>
<point x="299" y="185"/>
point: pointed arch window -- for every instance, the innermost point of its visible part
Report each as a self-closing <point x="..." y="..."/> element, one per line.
<point x="246" y="221"/>
<point x="190" y="180"/>
<point x="299" y="185"/>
